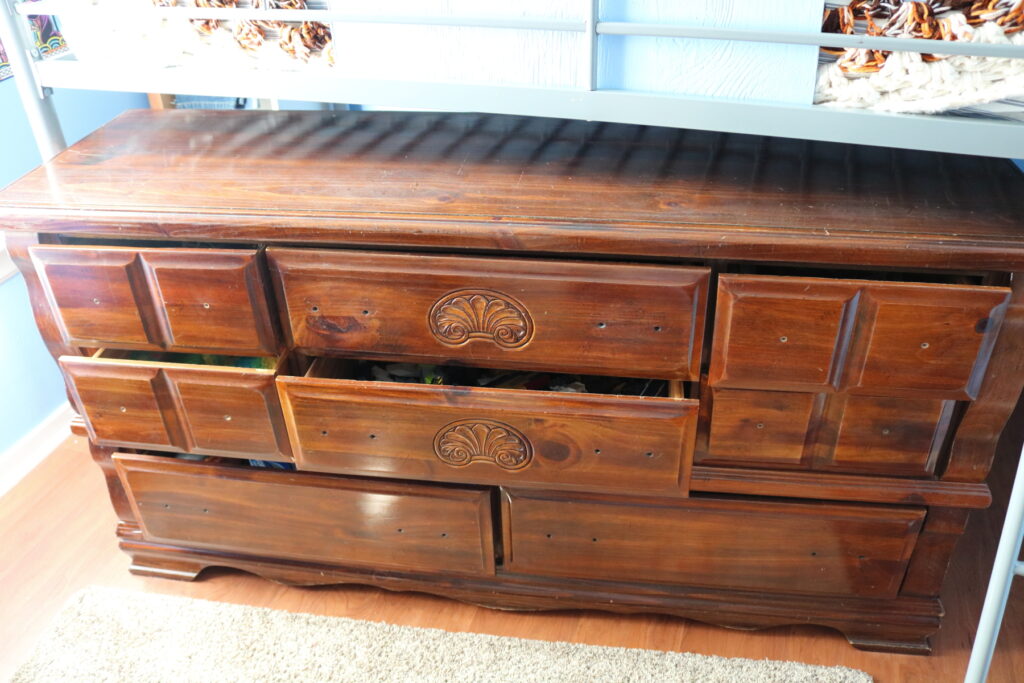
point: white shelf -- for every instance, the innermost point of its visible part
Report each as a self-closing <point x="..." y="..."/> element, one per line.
<point x="934" y="133"/>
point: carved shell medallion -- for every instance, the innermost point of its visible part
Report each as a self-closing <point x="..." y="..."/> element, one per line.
<point x="464" y="441"/>
<point x="466" y="314"/>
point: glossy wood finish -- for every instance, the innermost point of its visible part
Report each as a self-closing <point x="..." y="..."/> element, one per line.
<point x="877" y="338"/>
<point x="490" y="436"/>
<point x="212" y="410"/>
<point x="172" y="299"/>
<point x="58" y="524"/>
<point x="746" y="545"/>
<point x="313" y="518"/>
<point x="844" y="375"/>
<point x="566" y="316"/>
<point x="469" y="181"/>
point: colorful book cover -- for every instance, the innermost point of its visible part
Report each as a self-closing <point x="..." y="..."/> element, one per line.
<point x="48" y="39"/>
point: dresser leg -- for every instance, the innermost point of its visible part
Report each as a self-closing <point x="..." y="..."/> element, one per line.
<point x="181" y="570"/>
<point x="879" y="644"/>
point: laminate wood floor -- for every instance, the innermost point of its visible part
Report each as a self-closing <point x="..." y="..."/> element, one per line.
<point x="57" y="535"/>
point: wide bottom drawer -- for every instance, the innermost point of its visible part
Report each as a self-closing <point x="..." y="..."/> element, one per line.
<point x="716" y="542"/>
<point x="316" y="518"/>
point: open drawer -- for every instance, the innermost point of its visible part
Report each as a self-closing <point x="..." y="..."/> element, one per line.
<point x="207" y="300"/>
<point x="639" y="320"/>
<point x="215" y="405"/>
<point x="309" y="517"/>
<point x="485" y="435"/>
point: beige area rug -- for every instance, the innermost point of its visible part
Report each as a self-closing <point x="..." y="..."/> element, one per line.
<point x="106" y="634"/>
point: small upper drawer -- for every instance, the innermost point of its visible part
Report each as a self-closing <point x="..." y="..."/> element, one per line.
<point x="180" y="403"/>
<point x="349" y="522"/>
<point x="210" y="300"/>
<point x="597" y="318"/>
<point x="875" y="338"/>
<point x="481" y="435"/>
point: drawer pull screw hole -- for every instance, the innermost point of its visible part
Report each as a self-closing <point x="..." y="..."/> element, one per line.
<point x="205" y="511"/>
<point x="597" y="451"/>
<point x="601" y="325"/>
<point x="206" y="305"/>
<point x="594" y="540"/>
<point x="373" y="436"/>
<point x="444" y="535"/>
<point x="814" y="554"/>
<point x="167" y="506"/>
<point x="760" y="425"/>
<point x="548" y="535"/>
<point x="227" y="418"/>
<point x="315" y="309"/>
<point x="925" y="345"/>
<point x="649" y="454"/>
<point x="783" y="339"/>
<point x="123" y="409"/>
<point x="886" y="431"/>
<point x="323" y="432"/>
<point x="366" y="313"/>
<point x="401" y="530"/>
<point x="96" y="301"/>
<point x="657" y="328"/>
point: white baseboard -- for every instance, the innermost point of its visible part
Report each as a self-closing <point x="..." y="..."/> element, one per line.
<point x="31" y="449"/>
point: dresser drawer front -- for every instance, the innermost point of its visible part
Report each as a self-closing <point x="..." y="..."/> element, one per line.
<point x="313" y="518"/>
<point x="172" y="299"/>
<point x="715" y="542"/>
<point x="610" y="319"/>
<point x="490" y="436"/>
<point x="876" y="338"/>
<point x="227" y="411"/>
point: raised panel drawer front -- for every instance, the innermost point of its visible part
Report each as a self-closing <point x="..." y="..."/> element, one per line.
<point x="312" y="518"/>
<point x="186" y="407"/>
<point x="878" y="338"/>
<point x="490" y="436"/>
<point x="715" y="542"/>
<point x="210" y="300"/>
<point x="595" y="318"/>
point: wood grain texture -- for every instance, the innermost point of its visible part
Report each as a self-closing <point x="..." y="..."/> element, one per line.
<point x="211" y="410"/>
<point x="313" y="518"/>
<point x="170" y="299"/>
<point x="841" y="487"/>
<point x="974" y="445"/>
<point x="567" y="316"/>
<point x="511" y="184"/>
<point x="744" y="545"/>
<point x="490" y="436"/>
<point x="57" y="522"/>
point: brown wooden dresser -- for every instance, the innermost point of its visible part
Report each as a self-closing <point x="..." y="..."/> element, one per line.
<point x="532" y="363"/>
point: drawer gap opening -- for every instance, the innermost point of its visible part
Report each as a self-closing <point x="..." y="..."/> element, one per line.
<point x="462" y="376"/>
<point x="872" y="274"/>
<point x="219" y="360"/>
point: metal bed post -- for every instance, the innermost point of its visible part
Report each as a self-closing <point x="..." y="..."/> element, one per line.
<point x="37" y="100"/>
<point x="1006" y="566"/>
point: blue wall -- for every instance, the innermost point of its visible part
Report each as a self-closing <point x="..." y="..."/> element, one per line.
<point x="30" y="384"/>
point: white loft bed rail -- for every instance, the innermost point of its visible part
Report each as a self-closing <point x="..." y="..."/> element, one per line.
<point x="944" y="133"/>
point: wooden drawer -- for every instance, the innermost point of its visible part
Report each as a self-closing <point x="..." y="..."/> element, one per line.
<point x="210" y="300"/>
<point x="716" y="542"/>
<point x="876" y="338"/>
<point x="488" y="436"/>
<point x="597" y="318"/>
<point x="314" y="518"/>
<point x="179" y="406"/>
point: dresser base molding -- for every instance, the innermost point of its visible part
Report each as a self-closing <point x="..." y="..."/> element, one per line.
<point x="901" y="625"/>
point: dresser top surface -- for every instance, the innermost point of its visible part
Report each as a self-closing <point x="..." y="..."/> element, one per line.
<point x="503" y="170"/>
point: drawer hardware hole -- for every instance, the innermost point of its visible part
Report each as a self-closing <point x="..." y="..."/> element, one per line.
<point x="593" y="540"/>
<point x="227" y="418"/>
<point x="548" y="535"/>
<point x="123" y="409"/>
<point x="862" y="557"/>
<point x="759" y="425"/>
<point x="167" y="506"/>
<point x="886" y="431"/>
<point x="601" y="325"/>
<point x="206" y="305"/>
<point x="401" y="530"/>
<point x="96" y="301"/>
<point x="373" y="436"/>
<point x="444" y="535"/>
<point x="649" y="454"/>
<point x="814" y="554"/>
<point x="323" y="432"/>
<point x="315" y="309"/>
<point x="366" y="313"/>
<point x="657" y="328"/>
<point x="597" y="451"/>
<point x="925" y="345"/>
<point x="783" y="339"/>
<point x="205" y="511"/>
